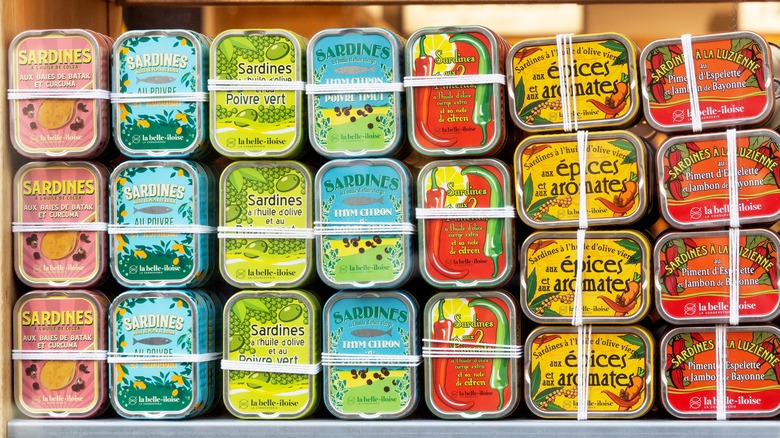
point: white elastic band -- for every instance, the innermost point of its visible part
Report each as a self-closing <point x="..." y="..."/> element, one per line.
<point x="582" y="147"/>
<point x="470" y="349"/>
<point x="160" y="229"/>
<point x="264" y="233"/>
<point x="720" y="372"/>
<point x="693" y="89"/>
<point x="344" y="228"/>
<point x="379" y="360"/>
<point x="582" y="151"/>
<point x="583" y="370"/>
<point x="568" y="92"/>
<point x="376" y="87"/>
<point x="507" y="212"/>
<point x="24" y="94"/>
<point x="248" y="365"/>
<point x="733" y="182"/>
<point x="114" y="357"/>
<point x="254" y="85"/>
<point x="26" y="227"/>
<point x="162" y="97"/>
<point x="434" y="81"/>
<point x="59" y="354"/>
<point x="733" y="276"/>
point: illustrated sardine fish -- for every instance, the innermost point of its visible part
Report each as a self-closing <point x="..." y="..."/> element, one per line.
<point x="371" y="333"/>
<point x="152" y="341"/>
<point x="158" y="79"/>
<point x="155" y="209"/>
<point x="353" y="69"/>
<point x="364" y="200"/>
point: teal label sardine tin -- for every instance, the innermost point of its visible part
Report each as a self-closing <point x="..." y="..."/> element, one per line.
<point x="159" y="217"/>
<point x="362" y="223"/>
<point x="159" y="93"/>
<point x="161" y="351"/>
<point x="359" y="326"/>
<point x="368" y="121"/>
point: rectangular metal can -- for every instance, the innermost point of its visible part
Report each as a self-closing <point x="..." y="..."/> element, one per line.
<point x="269" y="330"/>
<point x="362" y="324"/>
<point x="249" y="119"/>
<point x="61" y="210"/>
<point x="603" y="73"/>
<point x="547" y="180"/>
<point x="692" y="276"/>
<point x="466" y="252"/>
<point x="689" y="372"/>
<point x="621" y="372"/>
<point x="61" y="321"/>
<point x="616" y="277"/>
<point x="365" y="123"/>
<point x="694" y="182"/>
<point x="733" y="80"/>
<point x="59" y="90"/>
<point x="478" y="386"/>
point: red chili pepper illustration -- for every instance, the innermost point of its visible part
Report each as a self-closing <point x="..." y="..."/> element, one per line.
<point x="539" y="244"/>
<point x="619" y="401"/>
<point x="617" y="307"/>
<point x="675" y="189"/>
<point x="442" y="331"/>
<point x="423" y="66"/>
<point x="676" y="50"/>
<point x="678" y="345"/>
<point x="543" y="339"/>
<point x="436" y="197"/>
<point x="689" y="243"/>
<point x="535" y="149"/>
<point x="747" y="52"/>
<point x="671" y="252"/>
<point x="696" y="337"/>
<point x="768" y="346"/>
<point x="692" y="146"/>
<point x="760" y="74"/>
<point x="763" y="251"/>
<point x="671" y="284"/>
<point x="764" y="150"/>
<point x="527" y="51"/>
<point x="777" y="372"/>
<point x="677" y="378"/>
<point x="618" y="210"/>
<point x="772" y="271"/>
<point x="610" y="111"/>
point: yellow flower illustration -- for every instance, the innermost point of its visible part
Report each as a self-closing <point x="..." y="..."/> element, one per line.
<point x="123" y="344"/>
<point x="177" y="379"/>
<point x="123" y="112"/>
<point x="182" y="117"/>
<point x="176" y="261"/>
<point x="180" y="172"/>
<point x="121" y="311"/>
<point x="175" y="392"/>
<point x="139" y="384"/>
<point x="178" y="247"/>
<point x="139" y="253"/>
<point x="126" y="83"/>
<point x="121" y="181"/>
<point x="183" y="42"/>
<point x="143" y="123"/>
<point x="125" y="50"/>
<point x="179" y="303"/>
<point x="178" y="130"/>
<point x="123" y="213"/>
<point x="119" y="376"/>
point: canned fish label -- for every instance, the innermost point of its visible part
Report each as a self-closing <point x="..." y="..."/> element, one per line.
<point x="692" y="276"/>
<point x="688" y="383"/>
<point x="265" y="208"/>
<point x="733" y="80"/>
<point x="362" y="223"/>
<point x="457" y="250"/>
<point x="449" y="117"/>
<point x="620" y="372"/>
<point x="358" y="326"/>
<point x="602" y="68"/>
<point x="694" y="180"/>
<point x="471" y="371"/>
<point x="159" y="93"/>
<point x="159" y="214"/>
<point x="369" y="121"/>
<point x="257" y="106"/>
<point x="276" y="334"/>
<point x="548" y="181"/>
<point x="58" y="94"/>
<point x="616" y="276"/>
<point x="48" y="382"/>
<point x="60" y="217"/>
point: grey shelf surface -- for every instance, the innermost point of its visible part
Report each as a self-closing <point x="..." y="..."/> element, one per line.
<point x="322" y="428"/>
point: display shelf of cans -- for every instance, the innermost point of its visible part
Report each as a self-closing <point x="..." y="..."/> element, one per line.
<point x="282" y="278"/>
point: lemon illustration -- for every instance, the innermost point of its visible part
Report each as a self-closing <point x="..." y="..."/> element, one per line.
<point x="458" y="311"/>
<point x="437" y="45"/>
<point x="450" y="179"/>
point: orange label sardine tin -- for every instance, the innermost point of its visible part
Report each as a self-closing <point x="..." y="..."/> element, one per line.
<point x="733" y="80"/>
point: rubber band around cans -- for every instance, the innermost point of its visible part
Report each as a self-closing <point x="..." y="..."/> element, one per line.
<point x="153" y="97"/>
<point x="471" y="350"/>
<point x="116" y="357"/>
<point x="721" y="409"/>
<point x="378" y="228"/>
<point x="69" y="355"/>
<point x="733" y="182"/>
<point x="373" y="360"/>
<point x="693" y="89"/>
<point x="264" y="233"/>
<point x="507" y="212"/>
<point x="353" y="88"/>
<point x="160" y="229"/>
<point x="582" y="147"/>
<point x="254" y="85"/>
<point x="39" y="227"/>
<point x="567" y="89"/>
<point x="22" y="94"/>
<point x="436" y="81"/>
<point x="252" y="366"/>
<point x="583" y="370"/>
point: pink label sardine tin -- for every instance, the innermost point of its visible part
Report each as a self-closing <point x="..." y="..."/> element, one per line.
<point x="60" y="224"/>
<point x="58" y="92"/>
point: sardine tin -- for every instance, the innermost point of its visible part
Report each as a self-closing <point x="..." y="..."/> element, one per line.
<point x="693" y="179"/>
<point x="547" y="180"/>
<point x="733" y="78"/>
<point x="282" y="327"/>
<point x="61" y="193"/>
<point x="351" y="192"/>
<point x="60" y="60"/>
<point x="250" y="122"/>
<point x="621" y="372"/>
<point x="472" y="387"/>
<point x="161" y="194"/>
<point x="451" y="120"/>
<point x="616" y="276"/>
<point x="370" y="323"/>
<point x="267" y="194"/>
<point x="692" y="273"/>
<point x="55" y="320"/>
<point x="365" y="124"/>
<point x="687" y="386"/>
<point x="159" y="63"/>
<point x="474" y="252"/>
<point x="605" y="82"/>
